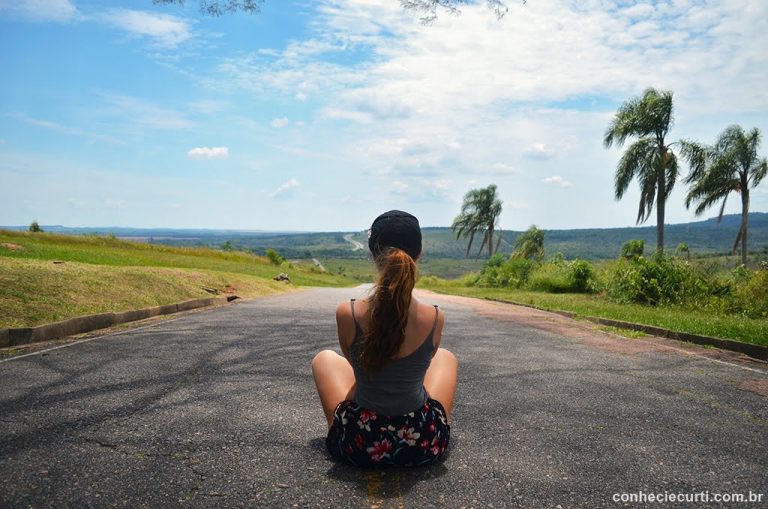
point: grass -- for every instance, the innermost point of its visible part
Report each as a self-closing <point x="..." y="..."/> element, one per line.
<point x="363" y="270"/>
<point x="673" y="318"/>
<point x="627" y="333"/>
<point x="98" y="274"/>
<point x="113" y="252"/>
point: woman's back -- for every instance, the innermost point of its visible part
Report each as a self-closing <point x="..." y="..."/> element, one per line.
<point x="398" y="386"/>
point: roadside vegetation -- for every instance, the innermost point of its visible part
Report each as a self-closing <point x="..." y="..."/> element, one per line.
<point x="672" y="291"/>
<point x="694" y="296"/>
<point x="48" y="277"/>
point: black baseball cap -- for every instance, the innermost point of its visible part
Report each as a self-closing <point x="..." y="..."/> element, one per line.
<point x="395" y="229"/>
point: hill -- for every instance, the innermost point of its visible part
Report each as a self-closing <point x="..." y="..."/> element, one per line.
<point x="702" y="237"/>
<point x="47" y="277"/>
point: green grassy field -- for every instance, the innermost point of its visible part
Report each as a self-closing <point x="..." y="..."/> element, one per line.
<point x="668" y="317"/>
<point x="48" y="277"/>
<point x="363" y="270"/>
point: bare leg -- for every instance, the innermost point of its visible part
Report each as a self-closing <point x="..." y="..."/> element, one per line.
<point x="440" y="380"/>
<point x="334" y="379"/>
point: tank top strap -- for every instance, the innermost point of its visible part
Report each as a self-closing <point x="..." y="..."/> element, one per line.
<point x="434" y="325"/>
<point x="358" y="329"/>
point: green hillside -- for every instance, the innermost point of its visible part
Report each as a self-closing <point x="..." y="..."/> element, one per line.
<point x="47" y="277"/>
<point x="702" y="237"/>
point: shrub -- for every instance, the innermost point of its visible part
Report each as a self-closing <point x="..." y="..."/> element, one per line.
<point x="750" y="295"/>
<point x="581" y="276"/>
<point x="497" y="272"/>
<point x="274" y="257"/>
<point x="658" y="280"/>
<point x="34" y="227"/>
<point x="633" y="249"/>
<point x="550" y="277"/>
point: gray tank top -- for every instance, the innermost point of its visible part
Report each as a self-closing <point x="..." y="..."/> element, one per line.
<point x="398" y="388"/>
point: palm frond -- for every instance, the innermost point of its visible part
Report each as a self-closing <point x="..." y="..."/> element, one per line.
<point x="697" y="156"/>
<point x="637" y="160"/>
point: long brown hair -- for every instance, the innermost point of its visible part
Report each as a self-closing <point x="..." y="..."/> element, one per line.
<point x="389" y="309"/>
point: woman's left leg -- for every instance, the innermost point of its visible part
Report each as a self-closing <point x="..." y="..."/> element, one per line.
<point x="334" y="379"/>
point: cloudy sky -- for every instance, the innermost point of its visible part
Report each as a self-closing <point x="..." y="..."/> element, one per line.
<point x="320" y="114"/>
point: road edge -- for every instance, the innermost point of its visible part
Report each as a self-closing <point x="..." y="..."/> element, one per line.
<point x="10" y="337"/>
<point x="750" y="349"/>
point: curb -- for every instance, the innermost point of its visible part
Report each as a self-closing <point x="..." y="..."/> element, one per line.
<point x="81" y="324"/>
<point x="755" y="351"/>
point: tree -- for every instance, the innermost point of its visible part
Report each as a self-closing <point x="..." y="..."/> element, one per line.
<point x="430" y="8"/>
<point x="649" y="158"/>
<point x="633" y="249"/>
<point x="479" y="214"/>
<point x="530" y="244"/>
<point x="219" y="7"/>
<point x="731" y="165"/>
<point x="34" y="227"/>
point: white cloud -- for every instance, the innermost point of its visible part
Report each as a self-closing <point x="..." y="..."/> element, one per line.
<point x="280" y="122"/>
<point x="208" y="153"/>
<point x="558" y="181"/>
<point x="41" y="11"/>
<point x="301" y="96"/>
<point x="539" y="151"/>
<point x="165" y="30"/>
<point x="285" y="189"/>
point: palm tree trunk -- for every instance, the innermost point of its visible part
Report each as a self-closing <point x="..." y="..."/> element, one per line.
<point x="498" y="243"/>
<point x="744" y="221"/>
<point x="480" y="251"/>
<point x="469" y="244"/>
<point x="660" y="203"/>
<point x="490" y="241"/>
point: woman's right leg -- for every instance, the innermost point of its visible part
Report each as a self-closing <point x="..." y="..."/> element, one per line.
<point x="334" y="379"/>
<point x="440" y="380"/>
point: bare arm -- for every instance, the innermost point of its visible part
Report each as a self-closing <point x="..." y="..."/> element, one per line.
<point x="345" y="327"/>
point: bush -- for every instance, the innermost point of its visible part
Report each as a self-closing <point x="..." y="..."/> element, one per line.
<point x="34" y="227"/>
<point x="658" y="280"/>
<point x="581" y="276"/>
<point x="550" y="277"/>
<point x="633" y="249"/>
<point x="274" y="257"/>
<point x="497" y="272"/>
<point x="749" y="295"/>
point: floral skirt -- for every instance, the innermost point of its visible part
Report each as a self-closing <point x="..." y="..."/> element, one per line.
<point x="366" y="439"/>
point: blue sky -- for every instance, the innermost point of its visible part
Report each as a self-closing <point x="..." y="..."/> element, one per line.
<point x="319" y="115"/>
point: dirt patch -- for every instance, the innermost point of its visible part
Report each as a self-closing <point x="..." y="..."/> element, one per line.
<point x="759" y="386"/>
<point x="11" y="246"/>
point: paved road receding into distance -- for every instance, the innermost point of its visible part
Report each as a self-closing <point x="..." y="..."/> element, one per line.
<point x="217" y="409"/>
<point x="356" y="246"/>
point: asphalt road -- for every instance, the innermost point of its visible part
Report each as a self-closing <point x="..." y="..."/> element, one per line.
<point x="217" y="409"/>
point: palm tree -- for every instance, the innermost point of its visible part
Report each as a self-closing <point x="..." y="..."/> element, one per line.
<point x="649" y="158"/>
<point x="732" y="164"/>
<point x="479" y="214"/>
<point x="530" y="244"/>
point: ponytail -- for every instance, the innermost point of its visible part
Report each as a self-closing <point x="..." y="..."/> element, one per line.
<point x="389" y="308"/>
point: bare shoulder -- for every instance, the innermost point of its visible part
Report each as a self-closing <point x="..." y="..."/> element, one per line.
<point x="343" y="311"/>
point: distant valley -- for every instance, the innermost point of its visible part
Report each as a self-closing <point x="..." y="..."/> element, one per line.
<point x="701" y="237"/>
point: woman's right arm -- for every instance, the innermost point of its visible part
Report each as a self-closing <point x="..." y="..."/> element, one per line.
<point x="345" y="327"/>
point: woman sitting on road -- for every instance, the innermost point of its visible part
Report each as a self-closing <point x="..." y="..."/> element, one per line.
<point x="388" y="400"/>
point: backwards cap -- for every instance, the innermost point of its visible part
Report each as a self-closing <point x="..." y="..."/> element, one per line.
<point x="395" y="229"/>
